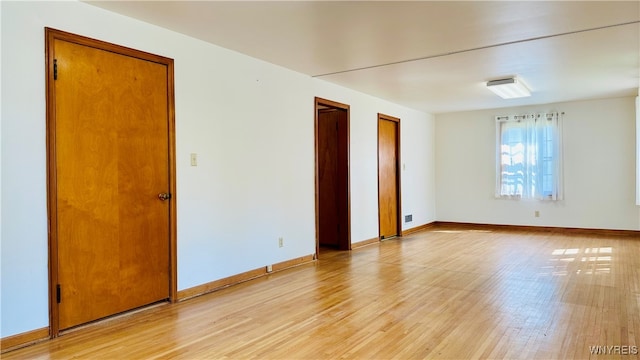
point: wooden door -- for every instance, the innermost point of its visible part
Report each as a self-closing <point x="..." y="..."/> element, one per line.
<point x="332" y="175"/>
<point x="388" y="176"/>
<point x="109" y="137"/>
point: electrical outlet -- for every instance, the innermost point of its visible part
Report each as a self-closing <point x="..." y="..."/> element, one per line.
<point x="269" y="268"/>
<point x="536" y="213"/>
<point x="194" y="159"/>
<point x="280" y="242"/>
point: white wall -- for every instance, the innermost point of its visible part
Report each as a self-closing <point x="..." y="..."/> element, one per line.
<point x="638" y="149"/>
<point x="251" y="124"/>
<point x="599" y="163"/>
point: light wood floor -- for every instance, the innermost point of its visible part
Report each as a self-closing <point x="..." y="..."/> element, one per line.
<point x="445" y="293"/>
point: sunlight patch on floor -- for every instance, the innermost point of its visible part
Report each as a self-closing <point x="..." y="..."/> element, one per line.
<point x="597" y="260"/>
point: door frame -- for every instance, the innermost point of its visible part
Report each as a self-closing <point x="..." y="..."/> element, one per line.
<point x="383" y="117"/>
<point x="319" y="103"/>
<point x="50" y="36"/>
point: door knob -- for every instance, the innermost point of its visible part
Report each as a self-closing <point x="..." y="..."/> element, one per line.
<point x="164" y="196"/>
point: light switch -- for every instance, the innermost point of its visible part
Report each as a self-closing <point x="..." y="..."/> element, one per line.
<point x="194" y="159"/>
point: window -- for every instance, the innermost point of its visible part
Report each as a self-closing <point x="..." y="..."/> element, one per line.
<point x="529" y="156"/>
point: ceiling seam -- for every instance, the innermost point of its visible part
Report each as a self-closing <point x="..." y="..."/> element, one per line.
<point x="478" y="48"/>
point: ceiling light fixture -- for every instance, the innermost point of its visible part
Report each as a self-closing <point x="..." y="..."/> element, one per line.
<point x="510" y="88"/>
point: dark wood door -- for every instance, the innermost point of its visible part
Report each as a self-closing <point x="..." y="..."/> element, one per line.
<point x="111" y="146"/>
<point x="333" y="178"/>
<point x="388" y="177"/>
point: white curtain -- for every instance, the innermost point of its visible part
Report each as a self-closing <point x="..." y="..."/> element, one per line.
<point x="529" y="162"/>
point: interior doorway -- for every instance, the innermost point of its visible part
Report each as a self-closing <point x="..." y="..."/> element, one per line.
<point x="111" y="176"/>
<point x="389" y="207"/>
<point x="332" y="175"/>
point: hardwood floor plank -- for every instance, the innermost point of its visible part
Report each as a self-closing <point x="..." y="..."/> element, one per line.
<point x="447" y="292"/>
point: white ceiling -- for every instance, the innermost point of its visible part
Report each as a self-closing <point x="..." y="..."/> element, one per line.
<point x="427" y="55"/>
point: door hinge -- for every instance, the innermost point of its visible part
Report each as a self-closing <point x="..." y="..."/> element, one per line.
<point x="58" y="293"/>
<point x="55" y="69"/>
